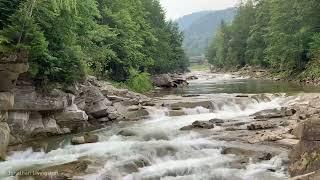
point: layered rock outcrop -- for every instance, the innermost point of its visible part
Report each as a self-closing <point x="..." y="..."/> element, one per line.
<point x="305" y="157"/>
<point x="11" y="67"/>
<point x="34" y="114"/>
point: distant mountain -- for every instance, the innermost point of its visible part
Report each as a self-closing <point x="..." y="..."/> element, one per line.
<point x="200" y="27"/>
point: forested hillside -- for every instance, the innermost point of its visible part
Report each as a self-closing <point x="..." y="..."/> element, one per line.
<point x="67" y="40"/>
<point x="200" y="27"/>
<point x="281" y="35"/>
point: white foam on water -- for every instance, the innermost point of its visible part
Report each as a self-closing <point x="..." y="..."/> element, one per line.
<point x="185" y="155"/>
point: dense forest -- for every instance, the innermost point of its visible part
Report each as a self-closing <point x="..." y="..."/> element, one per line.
<point x="280" y="35"/>
<point x="67" y="40"/>
<point x="199" y="27"/>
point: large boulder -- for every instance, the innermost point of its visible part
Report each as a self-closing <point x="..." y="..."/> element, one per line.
<point x="9" y="73"/>
<point x="26" y="98"/>
<point x="163" y="80"/>
<point x="86" y="138"/>
<point x="308" y="130"/>
<point x="4" y="139"/>
<point x="274" y="113"/>
<point x="72" y="118"/>
<point x="304" y="158"/>
<point x="25" y="125"/>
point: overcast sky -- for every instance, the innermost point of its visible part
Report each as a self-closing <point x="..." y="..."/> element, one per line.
<point x="178" y="8"/>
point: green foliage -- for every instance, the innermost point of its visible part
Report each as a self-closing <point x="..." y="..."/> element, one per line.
<point x="68" y="39"/>
<point x="278" y="34"/>
<point x="139" y="82"/>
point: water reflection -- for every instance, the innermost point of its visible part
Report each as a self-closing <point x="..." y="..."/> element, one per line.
<point x="246" y="86"/>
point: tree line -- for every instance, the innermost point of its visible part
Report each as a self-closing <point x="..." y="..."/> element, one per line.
<point x="67" y="40"/>
<point x="281" y="35"/>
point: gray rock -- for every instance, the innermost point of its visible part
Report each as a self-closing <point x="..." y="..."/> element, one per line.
<point x="199" y="125"/>
<point x="9" y="73"/>
<point x="6" y="100"/>
<point x="87" y="138"/>
<point x="204" y="104"/>
<point x="4" y="139"/>
<point x="99" y="109"/>
<point x="27" y="99"/>
<point x="304" y="158"/>
<point x="216" y="121"/>
<point x="3" y="116"/>
<point x="163" y="80"/>
<point x="237" y="151"/>
<point x="127" y="132"/>
<point x="177" y="113"/>
<point x="274" y="113"/>
<point x="64" y="171"/>
<point x="72" y="118"/>
<point x="260" y="126"/>
<point x="137" y="115"/>
<point x="308" y="130"/>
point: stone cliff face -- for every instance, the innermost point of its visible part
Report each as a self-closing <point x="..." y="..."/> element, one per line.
<point x="80" y="107"/>
<point x="10" y="69"/>
<point x="27" y="114"/>
<point x="305" y="157"/>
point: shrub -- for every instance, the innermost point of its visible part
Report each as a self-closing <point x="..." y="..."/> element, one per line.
<point x="139" y="82"/>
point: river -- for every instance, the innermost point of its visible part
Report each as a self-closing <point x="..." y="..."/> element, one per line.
<point x="157" y="149"/>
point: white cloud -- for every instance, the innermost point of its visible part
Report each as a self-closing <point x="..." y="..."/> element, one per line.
<point x="178" y="8"/>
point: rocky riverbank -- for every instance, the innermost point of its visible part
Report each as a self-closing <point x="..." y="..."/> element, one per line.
<point x="265" y="74"/>
<point x="266" y="127"/>
<point x="77" y="108"/>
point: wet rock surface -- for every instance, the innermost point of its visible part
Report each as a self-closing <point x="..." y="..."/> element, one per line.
<point x="58" y="172"/>
<point x="199" y="125"/>
<point x="215" y="136"/>
<point x="86" y="138"/>
<point x="170" y="80"/>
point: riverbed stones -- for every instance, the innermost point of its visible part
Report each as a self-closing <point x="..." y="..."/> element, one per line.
<point x="274" y="113"/>
<point x="86" y="138"/>
<point x="176" y="113"/>
<point x="198" y="125"/>
<point x="190" y="104"/>
<point x="58" y="172"/>
<point x="137" y="115"/>
<point x="260" y="126"/>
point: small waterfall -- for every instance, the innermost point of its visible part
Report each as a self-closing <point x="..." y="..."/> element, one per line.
<point x="156" y="149"/>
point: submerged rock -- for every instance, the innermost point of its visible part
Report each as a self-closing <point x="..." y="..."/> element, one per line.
<point x="87" y="138"/>
<point x="198" y="125"/>
<point x="177" y="113"/>
<point x="274" y="113"/>
<point x="190" y="104"/>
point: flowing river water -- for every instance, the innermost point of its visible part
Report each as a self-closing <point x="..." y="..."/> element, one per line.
<point x="157" y="149"/>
